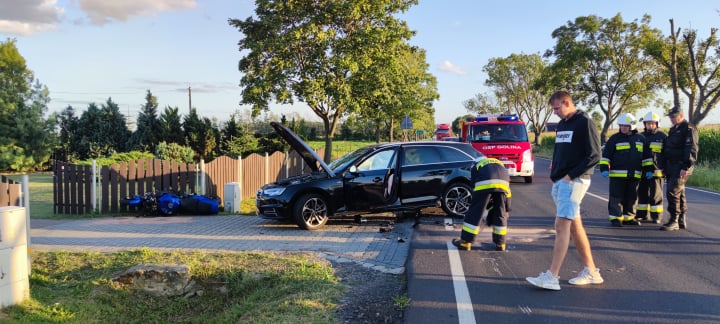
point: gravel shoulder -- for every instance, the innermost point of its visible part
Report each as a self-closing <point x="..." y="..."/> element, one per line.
<point x="371" y="295"/>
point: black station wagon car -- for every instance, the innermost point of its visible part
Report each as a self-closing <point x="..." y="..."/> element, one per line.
<point x="401" y="176"/>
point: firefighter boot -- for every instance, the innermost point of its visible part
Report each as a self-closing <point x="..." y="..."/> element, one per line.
<point x="681" y="222"/>
<point x="671" y="225"/>
<point x="656" y="218"/>
<point x="499" y="240"/>
<point x="462" y="244"/>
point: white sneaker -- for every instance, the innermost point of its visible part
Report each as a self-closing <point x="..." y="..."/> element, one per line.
<point x="545" y="280"/>
<point x="587" y="277"/>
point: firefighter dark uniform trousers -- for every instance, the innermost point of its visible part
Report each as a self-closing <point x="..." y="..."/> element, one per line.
<point x="680" y="153"/>
<point x="650" y="195"/>
<point x="491" y="195"/>
<point x="622" y="160"/>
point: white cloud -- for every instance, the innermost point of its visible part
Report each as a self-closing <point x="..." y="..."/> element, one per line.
<point x="28" y="16"/>
<point x="449" y="67"/>
<point x="103" y="11"/>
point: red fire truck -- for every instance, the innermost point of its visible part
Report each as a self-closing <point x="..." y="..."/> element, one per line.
<point x="442" y="131"/>
<point x="505" y="138"/>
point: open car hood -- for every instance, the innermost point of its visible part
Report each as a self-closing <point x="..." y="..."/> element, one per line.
<point x="308" y="154"/>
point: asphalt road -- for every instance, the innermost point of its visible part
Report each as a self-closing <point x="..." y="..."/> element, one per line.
<point x="650" y="276"/>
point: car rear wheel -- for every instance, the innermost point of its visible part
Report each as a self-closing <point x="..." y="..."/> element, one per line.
<point x="311" y="211"/>
<point x="456" y="199"/>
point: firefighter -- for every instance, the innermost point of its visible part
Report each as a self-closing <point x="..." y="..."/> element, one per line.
<point x="650" y="195"/>
<point x="490" y="202"/>
<point x="622" y="162"/>
<point x="680" y="154"/>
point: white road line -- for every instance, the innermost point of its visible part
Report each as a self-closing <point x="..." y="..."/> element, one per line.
<point x="462" y="294"/>
<point x="596" y="196"/>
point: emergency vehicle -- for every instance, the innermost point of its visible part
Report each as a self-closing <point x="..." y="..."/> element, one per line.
<point x="442" y="131"/>
<point x="505" y="138"/>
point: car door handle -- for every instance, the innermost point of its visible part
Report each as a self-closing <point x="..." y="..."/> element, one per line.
<point x="377" y="179"/>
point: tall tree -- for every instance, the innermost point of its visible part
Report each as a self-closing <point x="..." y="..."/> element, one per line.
<point x="114" y="127"/>
<point x="26" y="136"/>
<point x="310" y="50"/>
<point x="603" y="63"/>
<point x="483" y="104"/>
<point x="148" y="132"/>
<point x="693" y="67"/>
<point x="396" y="85"/>
<point x="514" y="78"/>
<point x="199" y="135"/>
<point x="171" y="126"/>
<point x="69" y="139"/>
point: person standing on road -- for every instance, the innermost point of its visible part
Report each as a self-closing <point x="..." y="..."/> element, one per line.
<point x="622" y="163"/>
<point x="680" y="154"/>
<point x="650" y="196"/>
<point x="576" y="153"/>
<point x="490" y="202"/>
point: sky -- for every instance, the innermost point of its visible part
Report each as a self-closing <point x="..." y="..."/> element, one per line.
<point x="87" y="51"/>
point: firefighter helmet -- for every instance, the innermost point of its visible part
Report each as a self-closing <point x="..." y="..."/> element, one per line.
<point x="651" y="117"/>
<point x="627" y="119"/>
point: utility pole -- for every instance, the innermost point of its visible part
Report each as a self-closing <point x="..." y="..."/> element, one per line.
<point x="189" y="99"/>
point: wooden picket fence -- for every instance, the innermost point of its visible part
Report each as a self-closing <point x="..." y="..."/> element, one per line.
<point x="10" y="192"/>
<point x="73" y="185"/>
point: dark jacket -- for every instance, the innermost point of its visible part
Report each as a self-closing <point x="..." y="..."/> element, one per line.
<point x="652" y="153"/>
<point x="681" y="146"/>
<point x="491" y="176"/>
<point x="577" y="148"/>
<point x="623" y="155"/>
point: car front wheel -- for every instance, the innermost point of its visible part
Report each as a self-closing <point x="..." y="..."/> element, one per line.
<point x="456" y="199"/>
<point x="311" y="211"/>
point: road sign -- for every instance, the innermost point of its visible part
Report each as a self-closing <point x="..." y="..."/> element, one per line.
<point x="406" y="123"/>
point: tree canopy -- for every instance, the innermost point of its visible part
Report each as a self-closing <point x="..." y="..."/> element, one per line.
<point x="312" y="52"/>
<point x="693" y="67"/>
<point x="603" y="63"/>
<point x="26" y="136"/>
<point x="514" y="78"/>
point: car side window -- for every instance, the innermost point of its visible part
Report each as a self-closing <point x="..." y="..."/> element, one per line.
<point x="450" y="154"/>
<point x="380" y="161"/>
<point x="421" y="155"/>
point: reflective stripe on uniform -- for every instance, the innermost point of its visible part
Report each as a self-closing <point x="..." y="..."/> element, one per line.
<point x="656" y="209"/>
<point x="658" y="174"/>
<point x="648" y="162"/>
<point x="639" y="147"/>
<point x="642" y="207"/>
<point x="500" y="230"/>
<point x="618" y="173"/>
<point x="472" y="229"/>
<point x="638" y="174"/>
<point x="622" y="146"/>
<point x="493" y="184"/>
<point x="656" y="147"/>
<point x="604" y="161"/>
<point x="612" y="218"/>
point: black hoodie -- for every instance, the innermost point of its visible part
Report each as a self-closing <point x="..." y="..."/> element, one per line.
<point x="577" y="148"/>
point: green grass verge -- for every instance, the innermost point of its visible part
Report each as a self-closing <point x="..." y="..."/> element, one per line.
<point x="256" y="288"/>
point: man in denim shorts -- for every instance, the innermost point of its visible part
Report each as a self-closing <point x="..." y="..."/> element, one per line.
<point x="577" y="151"/>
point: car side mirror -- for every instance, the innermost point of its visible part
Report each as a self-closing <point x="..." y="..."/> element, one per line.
<point x="353" y="169"/>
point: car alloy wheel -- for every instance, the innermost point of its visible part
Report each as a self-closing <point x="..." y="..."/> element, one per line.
<point x="311" y="211"/>
<point x="456" y="199"/>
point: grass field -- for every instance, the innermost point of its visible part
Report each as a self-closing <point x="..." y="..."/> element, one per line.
<point x="233" y="288"/>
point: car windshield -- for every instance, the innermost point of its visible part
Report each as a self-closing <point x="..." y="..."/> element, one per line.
<point x="347" y="159"/>
<point x="497" y="133"/>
